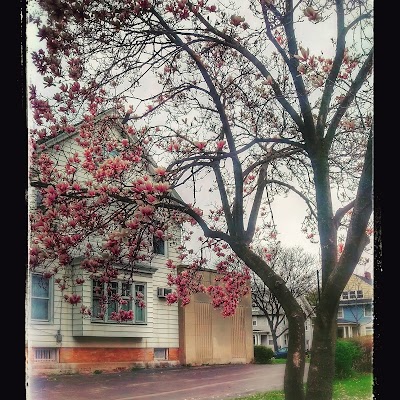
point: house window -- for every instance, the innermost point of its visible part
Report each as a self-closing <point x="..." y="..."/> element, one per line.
<point x="254" y="322"/>
<point x="117" y="290"/>
<point x="270" y="342"/>
<point x="109" y="152"/>
<point x="345" y="295"/>
<point x="140" y="312"/>
<point x="340" y="312"/>
<point x="40" y="298"/>
<point x="360" y="294"/>
<point x="367" y="310"/>
<point x="352" y="294"/>
<point x="45" y="354"/>
<point x="38" y="199"/>
<point x="161" y="353"/>
<point x="369" y="330"/>
<point x="159" y="246"/>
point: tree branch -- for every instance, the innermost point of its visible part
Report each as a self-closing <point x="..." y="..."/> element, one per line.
<point x="344" y="105"/>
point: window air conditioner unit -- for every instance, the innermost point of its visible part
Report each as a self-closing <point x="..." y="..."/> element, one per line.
<point x="162" y="292"/>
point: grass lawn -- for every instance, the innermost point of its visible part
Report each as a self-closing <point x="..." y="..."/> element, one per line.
<point x="357" y="388"/>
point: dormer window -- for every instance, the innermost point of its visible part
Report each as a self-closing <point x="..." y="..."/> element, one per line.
<point x="159" y="246"/>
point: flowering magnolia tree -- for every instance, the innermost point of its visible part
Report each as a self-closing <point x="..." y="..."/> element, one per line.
<point x="195" y="89"/>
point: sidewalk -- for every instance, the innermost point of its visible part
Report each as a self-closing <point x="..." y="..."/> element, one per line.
<point x="178" y="383"/>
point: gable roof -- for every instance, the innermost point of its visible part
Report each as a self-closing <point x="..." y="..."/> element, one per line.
<point x="364" y="279"/>
<point x="48" y="142"/>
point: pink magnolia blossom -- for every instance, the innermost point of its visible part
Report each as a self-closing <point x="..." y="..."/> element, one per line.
<point x="170" y="264"/>
<point x="73" y="299"/>
<point x="304" y="54"/>
<point x="159" y="233"/>
<point x="236" y="20"/>
<point x="161" y="171"/>
<point x="312" y="15"/>
<point x="122" y="315"/>
<point x="221" y="145"/>
<point x="146" y="211"/>
<point x="162" y="187"/>
<point x="200" y="145"/>
<point x="268" y="81"/>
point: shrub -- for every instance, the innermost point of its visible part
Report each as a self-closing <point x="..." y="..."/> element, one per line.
<point x="347" y="352"/>
<point x="363" y="363"/>
<point x="263" y="354"/>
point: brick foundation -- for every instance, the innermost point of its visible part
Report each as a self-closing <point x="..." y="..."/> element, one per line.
<point x="89" y="359"/>
<point x="100" y="354"/>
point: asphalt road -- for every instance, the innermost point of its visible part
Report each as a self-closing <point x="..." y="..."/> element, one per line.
<point x="179" y="383"/>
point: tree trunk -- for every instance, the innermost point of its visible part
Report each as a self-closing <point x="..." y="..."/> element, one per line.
<point x="295" y="364"/>
<point x="322" y="364"/>
<point x="274" y="339"/>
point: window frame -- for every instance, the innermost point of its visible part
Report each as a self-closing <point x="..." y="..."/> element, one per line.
<point x="130" y="306"/>
<point x="157" y="352"/>
<point x="370" y="313"/>
<point x="137" y="322"/>
<point x="165" y="253"/>
<point x="340" y="313"/>
<point x="345" y="295"/>
<point x="52" y="353"/>
<point x="49" y="299"/>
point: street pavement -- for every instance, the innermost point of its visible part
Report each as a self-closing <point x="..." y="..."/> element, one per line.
<point x="171" y="383"/>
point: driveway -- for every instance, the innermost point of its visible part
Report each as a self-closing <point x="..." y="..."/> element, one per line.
<point x="177" y="383"/>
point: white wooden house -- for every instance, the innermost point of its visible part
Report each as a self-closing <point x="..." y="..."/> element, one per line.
<point x="60" y="339"/>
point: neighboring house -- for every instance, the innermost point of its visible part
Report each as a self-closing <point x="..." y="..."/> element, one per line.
<point x="355" y="313"/>
<point x="60" y="339"/>
<point x="262" y="332"/>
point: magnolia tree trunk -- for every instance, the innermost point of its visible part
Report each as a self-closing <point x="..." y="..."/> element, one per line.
<point x="334" y="278"/>
<point x="295" y="364"/>
<point x="322" y="363"/>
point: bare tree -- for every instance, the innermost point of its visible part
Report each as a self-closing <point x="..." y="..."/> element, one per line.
<point x="298" y="270"/>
